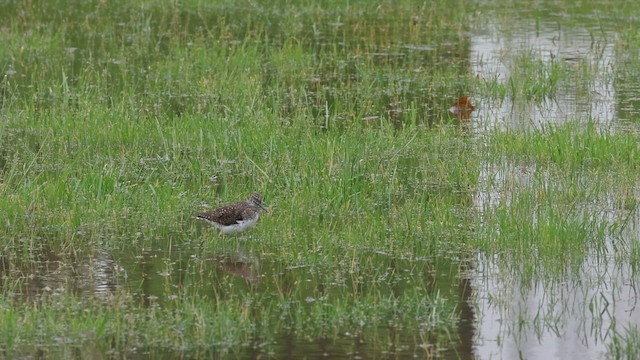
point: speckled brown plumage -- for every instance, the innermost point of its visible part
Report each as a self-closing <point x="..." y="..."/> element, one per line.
<point x="236" y="217"/>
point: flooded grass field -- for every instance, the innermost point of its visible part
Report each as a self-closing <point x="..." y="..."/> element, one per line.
<point x="399" y="226"/>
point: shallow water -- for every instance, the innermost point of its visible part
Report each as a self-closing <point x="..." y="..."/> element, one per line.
<point x="502" y="313"/>
<point x="492" y="58"/>
<point x="569" y="312"/>
<point x="156" y="278"/>
<point x="575" y="315"/>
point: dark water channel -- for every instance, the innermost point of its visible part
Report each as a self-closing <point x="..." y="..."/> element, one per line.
<point x="156" y="278"/>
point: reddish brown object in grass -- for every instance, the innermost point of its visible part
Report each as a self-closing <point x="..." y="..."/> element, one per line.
<point x="462" y="108"/>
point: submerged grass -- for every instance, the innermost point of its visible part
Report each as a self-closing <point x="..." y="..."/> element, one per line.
<point x="580" y="146"/>
<point x="60" y="324"/>
<point x="121" y="120"/>
<point x="531" y="78"/>
<point x="556" y="193"/>
<point x="625" y="345"/>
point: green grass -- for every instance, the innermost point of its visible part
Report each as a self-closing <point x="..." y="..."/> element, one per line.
<point x="117" y="133"/>
<point x="557" y="189"/>
<point x="625" y="345"/>
<point x="120" y="121"/>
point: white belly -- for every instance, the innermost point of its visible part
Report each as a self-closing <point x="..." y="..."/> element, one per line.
<point x="239" y="227"/>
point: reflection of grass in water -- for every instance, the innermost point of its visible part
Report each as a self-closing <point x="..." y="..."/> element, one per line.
<point x="562" y="215"/>
<point x="557" y="203"/>
<point x="625" y="345"/>
<point x="201" y="326"/>
<point x="530" y="79"/>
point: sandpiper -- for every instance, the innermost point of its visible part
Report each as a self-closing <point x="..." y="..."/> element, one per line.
<point x="236" y="217"/>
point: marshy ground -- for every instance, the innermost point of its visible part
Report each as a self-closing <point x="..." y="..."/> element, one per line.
<point x="396" y="229"/>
